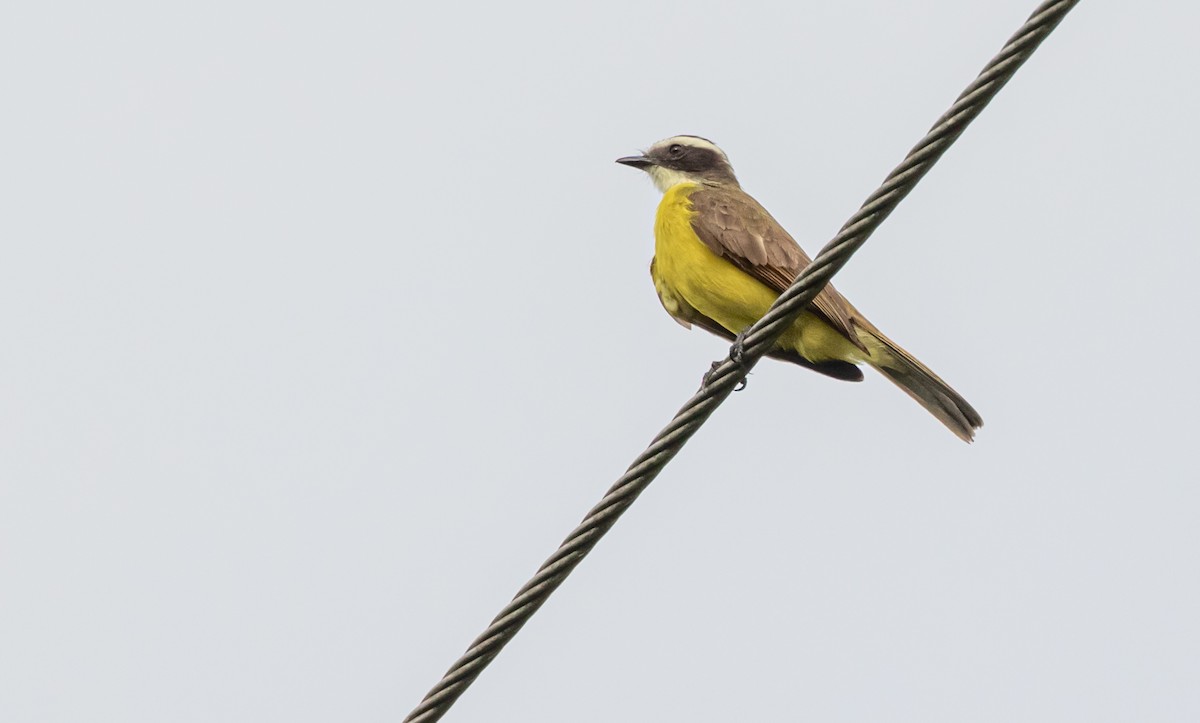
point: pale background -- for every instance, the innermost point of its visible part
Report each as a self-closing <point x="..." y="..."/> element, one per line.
<point x="320" y="326"/>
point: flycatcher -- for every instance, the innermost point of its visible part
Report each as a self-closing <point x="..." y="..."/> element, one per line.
<point x="720" y="260"/>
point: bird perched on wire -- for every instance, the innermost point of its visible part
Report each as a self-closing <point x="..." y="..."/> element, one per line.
<point x="721" y="260"/>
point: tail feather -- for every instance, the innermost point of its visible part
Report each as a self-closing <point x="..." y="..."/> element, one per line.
<point x="922" y="385"/>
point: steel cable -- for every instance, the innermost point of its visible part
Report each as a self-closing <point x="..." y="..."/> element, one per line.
<point x="725" y="376"/>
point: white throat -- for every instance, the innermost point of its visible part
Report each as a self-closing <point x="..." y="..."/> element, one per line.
<point x="665" y="178"/>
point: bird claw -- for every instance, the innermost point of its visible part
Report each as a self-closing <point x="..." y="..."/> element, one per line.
<point x="712" y="370"/>
<point x="737" y="349"/>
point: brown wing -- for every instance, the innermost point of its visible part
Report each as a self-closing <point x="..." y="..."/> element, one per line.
<point x="735" y="226"/>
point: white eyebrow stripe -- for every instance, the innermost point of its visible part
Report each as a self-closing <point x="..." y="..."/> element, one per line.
<point x="693" y="141"/>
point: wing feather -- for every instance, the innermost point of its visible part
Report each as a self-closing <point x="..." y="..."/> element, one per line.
<point x="735" y="226"/>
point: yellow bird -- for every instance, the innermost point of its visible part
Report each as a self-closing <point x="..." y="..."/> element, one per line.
<point x="720" y="260"/>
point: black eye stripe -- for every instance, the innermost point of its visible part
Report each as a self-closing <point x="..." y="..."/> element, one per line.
<point x="698" y="159"/>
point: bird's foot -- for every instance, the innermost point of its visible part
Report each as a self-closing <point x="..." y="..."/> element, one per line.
<point x="709" y="374"/>
<point x="737" y="349"/>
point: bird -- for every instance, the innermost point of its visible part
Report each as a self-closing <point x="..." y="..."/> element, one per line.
<point x="720" y="261"/>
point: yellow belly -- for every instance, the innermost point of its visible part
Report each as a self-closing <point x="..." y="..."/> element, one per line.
<point x="688" y="273"/>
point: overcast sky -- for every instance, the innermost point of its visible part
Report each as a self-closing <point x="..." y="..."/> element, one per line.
<point x="322" y="324"/>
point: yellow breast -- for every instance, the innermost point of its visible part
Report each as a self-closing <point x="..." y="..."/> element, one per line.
<point x="689" y="269"/>
<point x="688" y="274"/>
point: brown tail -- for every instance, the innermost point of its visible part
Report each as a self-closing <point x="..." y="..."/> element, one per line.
<point x="922" y="385"/>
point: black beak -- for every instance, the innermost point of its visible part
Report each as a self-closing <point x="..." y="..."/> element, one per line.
<point x="641" y="162"/>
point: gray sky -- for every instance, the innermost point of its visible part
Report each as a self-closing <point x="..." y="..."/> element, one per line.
<point x="323" y="324"/>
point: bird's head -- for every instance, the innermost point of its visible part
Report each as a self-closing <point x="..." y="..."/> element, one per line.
<point x="684" y="159"/>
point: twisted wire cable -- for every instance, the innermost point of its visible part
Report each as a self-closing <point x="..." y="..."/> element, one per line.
<point x="725" y="376"/>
